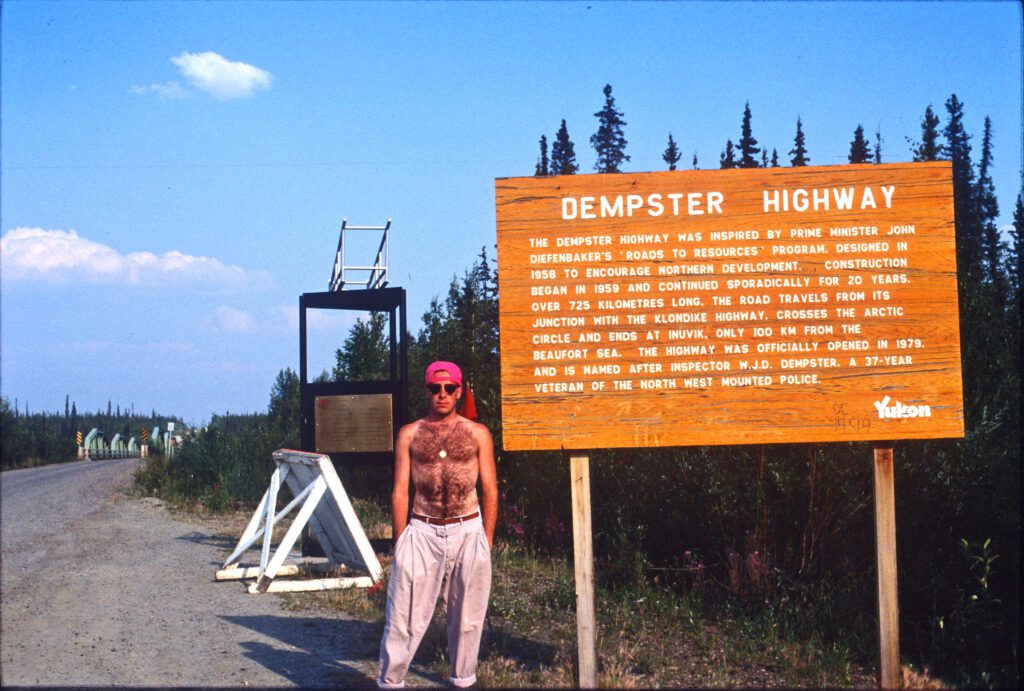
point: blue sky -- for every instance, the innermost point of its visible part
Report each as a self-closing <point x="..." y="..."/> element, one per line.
<point x="174" y="174"/>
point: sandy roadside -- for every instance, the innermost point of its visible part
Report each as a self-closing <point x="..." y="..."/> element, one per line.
<point x="123" y="594"/>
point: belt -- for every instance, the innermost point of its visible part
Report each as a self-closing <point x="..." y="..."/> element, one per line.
<point x="430" y="520"/>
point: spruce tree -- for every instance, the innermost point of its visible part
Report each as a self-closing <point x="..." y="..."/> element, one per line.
<point x="694" y="163"/>
<point x="364" y="355"/>
<point x="981" y="350"/>
<point x="764" y="158"/>
<point x="988" y="209"/>
<point x="1015" y="311"/>
<point x="563" y="154"/>
<point x="928" y="148"/>
<point x="957" y="149"/>
<point x="747" y="145"/>
<point x="860" y="150"/>
<point x="464" y="328"/>
<point x="608" y="141"/>
<point x="542" y="165"/>
<point x="878" y="146"/>
<point x="284" y="408"/>
<point x="799" y="150"/>
<point x="671" y="155"/>
<point x="728" y="157"/>
<point x="775" y="158"/>
<point x="1015" y="262"/>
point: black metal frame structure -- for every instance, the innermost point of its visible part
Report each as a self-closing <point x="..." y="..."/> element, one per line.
<point x="390" y="300"/>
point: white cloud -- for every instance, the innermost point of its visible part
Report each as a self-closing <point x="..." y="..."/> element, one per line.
<point x="170" y="90"/>
<point x="282" y="319"/>
<point x="61" y="256"/>
<point x="317" y="320"/>
<point x="221" y="78"/>
<point x="231" y="320"/>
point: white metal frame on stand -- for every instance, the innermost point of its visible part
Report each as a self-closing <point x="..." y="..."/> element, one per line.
<point x="326" y="508"/>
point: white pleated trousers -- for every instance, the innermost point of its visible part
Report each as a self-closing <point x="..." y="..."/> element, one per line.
<point x="453" y="561"/>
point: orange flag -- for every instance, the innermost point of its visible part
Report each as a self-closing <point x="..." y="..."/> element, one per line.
<point x="468" y="406"/>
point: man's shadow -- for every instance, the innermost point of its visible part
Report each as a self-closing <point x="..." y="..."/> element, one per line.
<point x="315" y="651"/>
<point x="320" y="652"/>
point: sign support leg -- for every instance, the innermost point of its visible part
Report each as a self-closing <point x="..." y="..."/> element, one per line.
<point x="885" y="546"/>
<point x="583" y="549"/>
<point x="268" y="529"/>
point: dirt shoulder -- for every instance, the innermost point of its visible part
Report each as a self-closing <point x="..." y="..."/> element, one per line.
<point x="124" y="595"/>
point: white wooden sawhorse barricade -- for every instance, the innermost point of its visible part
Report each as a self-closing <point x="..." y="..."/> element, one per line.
<point x="326" y="508"/>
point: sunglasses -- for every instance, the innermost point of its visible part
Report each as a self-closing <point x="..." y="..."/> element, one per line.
<point x="448" y="388"/>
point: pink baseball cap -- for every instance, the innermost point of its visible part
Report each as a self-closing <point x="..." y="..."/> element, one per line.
<point x="454" y="373"/>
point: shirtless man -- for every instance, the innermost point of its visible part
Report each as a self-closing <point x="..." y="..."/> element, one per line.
<point x="446" y="548"/>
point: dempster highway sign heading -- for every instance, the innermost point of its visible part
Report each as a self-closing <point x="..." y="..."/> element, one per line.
<point x="729" y="307"/>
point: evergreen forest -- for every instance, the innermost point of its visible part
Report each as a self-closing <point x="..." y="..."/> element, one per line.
<point x="29" y="439"/>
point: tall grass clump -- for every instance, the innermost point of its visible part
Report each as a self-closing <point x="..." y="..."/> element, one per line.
<point x="228" y="463"/>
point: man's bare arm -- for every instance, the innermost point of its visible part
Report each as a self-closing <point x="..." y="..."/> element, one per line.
<point x="400" y="490"/>
<point x="488" y="481"/>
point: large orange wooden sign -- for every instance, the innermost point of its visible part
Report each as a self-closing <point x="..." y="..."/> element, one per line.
<point x="729" y="307"/>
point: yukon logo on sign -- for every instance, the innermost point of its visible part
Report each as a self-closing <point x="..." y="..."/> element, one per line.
<point x="898" y="410"/>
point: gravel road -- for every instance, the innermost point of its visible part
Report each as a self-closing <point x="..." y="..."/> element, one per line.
<point x="100" y="589"/>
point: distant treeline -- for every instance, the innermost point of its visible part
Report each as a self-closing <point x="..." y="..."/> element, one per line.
<point x="30" y="439"/>
<point x="786" y="530"/>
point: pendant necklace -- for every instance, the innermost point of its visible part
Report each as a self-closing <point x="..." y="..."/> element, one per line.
<point x="443" y="453"/>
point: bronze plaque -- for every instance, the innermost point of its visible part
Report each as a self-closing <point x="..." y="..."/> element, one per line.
<point x="353" y="424"/>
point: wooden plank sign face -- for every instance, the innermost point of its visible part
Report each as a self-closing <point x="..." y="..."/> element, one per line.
<point x="729" y="307"/>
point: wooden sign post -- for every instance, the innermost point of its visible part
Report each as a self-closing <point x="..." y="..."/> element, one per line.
<point x="885" y="548"/>
<point x="583" y="549"/>
<point x="743" y="306"/>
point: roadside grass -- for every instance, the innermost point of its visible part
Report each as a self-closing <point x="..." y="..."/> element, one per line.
<point x="648" y="635"/>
